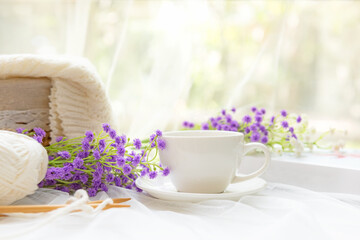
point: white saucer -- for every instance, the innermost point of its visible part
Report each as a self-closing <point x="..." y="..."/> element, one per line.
<point x="162" y="188"/>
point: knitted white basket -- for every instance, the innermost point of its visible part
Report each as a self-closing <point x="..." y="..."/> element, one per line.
<point x="77" y="101"/>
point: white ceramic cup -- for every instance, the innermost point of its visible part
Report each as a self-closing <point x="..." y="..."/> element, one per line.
<point x="206" y="161"/>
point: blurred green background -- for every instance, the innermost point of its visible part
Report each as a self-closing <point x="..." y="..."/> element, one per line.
<point x="163" y="62"/>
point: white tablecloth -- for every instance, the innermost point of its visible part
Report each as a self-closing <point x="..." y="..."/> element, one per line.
<point x="278" y="212"/>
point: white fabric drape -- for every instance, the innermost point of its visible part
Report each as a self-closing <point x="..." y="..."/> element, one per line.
<point x="278" y="212"/>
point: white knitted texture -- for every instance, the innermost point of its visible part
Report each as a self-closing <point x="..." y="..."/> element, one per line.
<point x="23" y="164"/>
<point x="77" y="100"/>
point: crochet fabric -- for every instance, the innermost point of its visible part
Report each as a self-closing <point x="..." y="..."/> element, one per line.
<point x="78" y="101"/>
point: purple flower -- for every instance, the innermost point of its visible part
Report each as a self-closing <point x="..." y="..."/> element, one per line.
<point x="247" y="119"/>
<point x="83" y="154"/>
<point x="225" y="127"/>
<point x="67" y="176"/>
<point x="263" y="111"/>
<point x="166" y="171"/>
<point x="228" y="118"/>
<point x="272" y="119"/>
<point x="191" y="125"/>
<point x="96" y="154"/>
<point x="153" y="175"/>
<point x="106" y="127"/>
<point x="50" y="182"/>
<point x="205" y="126"/>
<point x="121" y="150"/>
<point x="20" y="130"/>
<point x="60" y="172"/>
<point x="152" y="137"/>
<point x="136" y="160"/>
<point x="255" y="137"/>
<point x="264" y="139"/>
<point x="117" y="181"/>
<point x="262" y="128"/>
<point x="64" y="154"/>
<point x="127" y="169"/>
<point x="89" y="135"/>
<point x="68" y="167"/>
<point x="233" y="109"/>
<point x="234" y="124"/>
<point x="234" y="129"/>
<point x="103" y="187"/>
<point x="39" y="139"/>
<point x="253" y="109"/>
<point x="41" y="184"/>
<point x="51" y="173"/>
<point x="258" y="118"/>
<point x="123" y="139"/>
<point x="76" y="176"/>
<point x="214" y="124"/>
<point x="85" y="144"/>
<point x="97" y="175"/>
<point x="40" y="132"/>
<point x="158" y="133"/>
<point x="78" y="162"/>
<point x="51" y="158"/>
<point x="75" y="186"/>
<point x="112" y="133"/>
<point x="161" y="144"/>
<point x="96" y="183"/>
<point x="283" y="113"/>
<point x="137" y="143"/>
<point x="107" y="168"/>
<point x="185" y="124"/>
<point x="291" y="129"/>
<point x="118" y="140"/>
<point x="143" y="172"/>
<point x="298" y="120"/>
<point x="99" y="167"/>
<point x="110" y="177"/>
<point x="294" y="136"/>
<point x="91" y="192"/>
<point x="223" y="112"/>
<point x="59" y="139"/>
<point x="253" y="127"/>
<point x="247" y="130"/>
<point x="124" y="179"/>
<point x="84" y="178"/>
<point x="284" y="124"/>
<point x="62" y="188"/>
<point x="153" y="144"/>
<point x="102" y="145"/>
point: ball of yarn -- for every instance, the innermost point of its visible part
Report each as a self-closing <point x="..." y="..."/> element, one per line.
<point x="23" y="164"/>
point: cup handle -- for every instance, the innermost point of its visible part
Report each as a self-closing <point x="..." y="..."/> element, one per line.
<point x="248" y="147"/>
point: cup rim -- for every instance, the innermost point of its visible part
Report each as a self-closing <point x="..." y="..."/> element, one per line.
<point x="201" y="134"/>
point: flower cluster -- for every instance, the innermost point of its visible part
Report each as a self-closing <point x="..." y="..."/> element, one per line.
<point x="281" y="132"/>
<point x="95" y="161"/>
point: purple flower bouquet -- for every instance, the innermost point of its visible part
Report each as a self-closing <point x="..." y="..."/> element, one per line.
<point x="281" y="132"/>
<point x="95" y="161"/>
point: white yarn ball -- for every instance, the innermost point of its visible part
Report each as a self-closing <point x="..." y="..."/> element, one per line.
<point x="23" y="164"/>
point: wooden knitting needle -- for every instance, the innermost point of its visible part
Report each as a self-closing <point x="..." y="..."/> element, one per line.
<point x="47" y="208"/>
